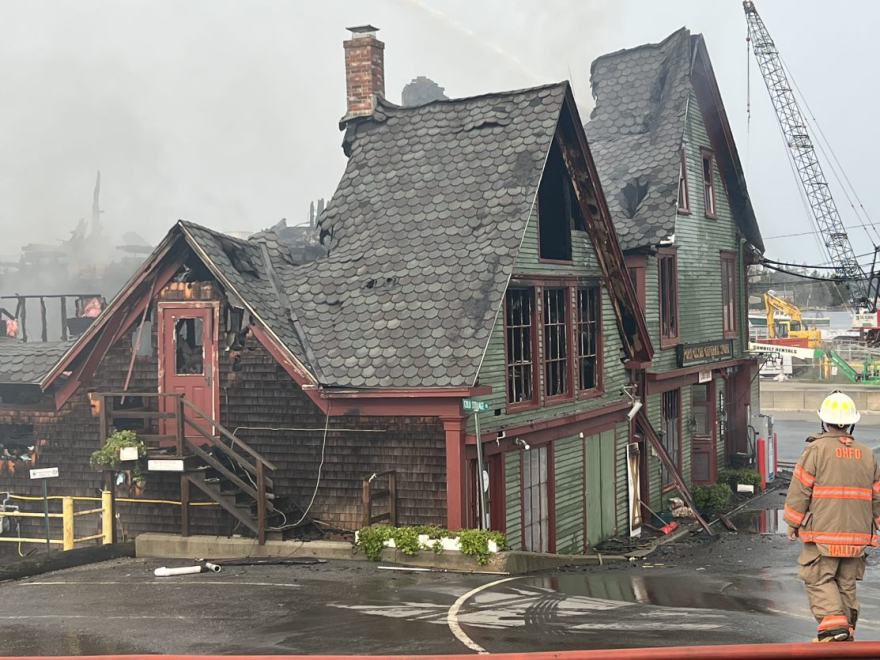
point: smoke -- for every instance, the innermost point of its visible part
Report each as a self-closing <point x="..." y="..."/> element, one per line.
<point x="226" y="113"/>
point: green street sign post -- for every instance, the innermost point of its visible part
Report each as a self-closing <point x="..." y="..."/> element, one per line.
<point x="476" y="407"/>
<point x="43" y="474"/>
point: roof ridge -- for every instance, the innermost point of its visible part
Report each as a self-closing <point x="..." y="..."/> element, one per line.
<point x="388" y="105"/>
<point x="634" y="49"/>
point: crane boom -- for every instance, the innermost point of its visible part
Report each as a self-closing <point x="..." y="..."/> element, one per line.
<point x="861" y="285"/>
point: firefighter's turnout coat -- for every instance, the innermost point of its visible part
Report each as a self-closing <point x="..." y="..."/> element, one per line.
<point x="834" y="497"/>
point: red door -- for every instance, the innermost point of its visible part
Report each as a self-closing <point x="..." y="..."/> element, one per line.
<point x="188" y="359"/>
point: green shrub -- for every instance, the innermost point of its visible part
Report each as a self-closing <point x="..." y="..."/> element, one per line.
<point x="711" y="498"/>
<point x="744" y="476"/>
<point x="474" y="542"/>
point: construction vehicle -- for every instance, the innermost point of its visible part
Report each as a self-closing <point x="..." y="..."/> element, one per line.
<point x="791" y="328"/>
<point x="861" y="284"/>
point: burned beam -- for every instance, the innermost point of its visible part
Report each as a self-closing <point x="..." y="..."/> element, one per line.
<point x="44" y="326"/>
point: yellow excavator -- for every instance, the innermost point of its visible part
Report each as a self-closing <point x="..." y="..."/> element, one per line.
<point x="791" y="328"/>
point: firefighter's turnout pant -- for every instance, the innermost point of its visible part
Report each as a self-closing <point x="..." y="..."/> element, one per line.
<point x="831" y="587"/>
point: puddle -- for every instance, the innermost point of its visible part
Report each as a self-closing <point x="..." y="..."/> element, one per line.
<point x="764" y="521"/>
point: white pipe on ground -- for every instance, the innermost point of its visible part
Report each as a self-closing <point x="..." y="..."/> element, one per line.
<point x="186" y="570"/>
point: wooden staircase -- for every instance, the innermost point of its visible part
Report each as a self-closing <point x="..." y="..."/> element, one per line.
<point x="205" y="454"/>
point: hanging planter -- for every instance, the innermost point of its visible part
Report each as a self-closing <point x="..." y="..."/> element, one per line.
<point x="122" y="451"/>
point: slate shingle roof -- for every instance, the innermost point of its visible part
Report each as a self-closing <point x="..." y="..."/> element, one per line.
<point x="635" y="134"/>
<point x="423" y="232"/>
<point x="28" y="363"/>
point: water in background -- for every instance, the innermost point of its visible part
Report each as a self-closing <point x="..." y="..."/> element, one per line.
<point x="839" y="320"/>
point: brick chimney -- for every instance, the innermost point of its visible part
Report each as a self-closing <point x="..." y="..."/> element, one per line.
<point x="364" y="70"/>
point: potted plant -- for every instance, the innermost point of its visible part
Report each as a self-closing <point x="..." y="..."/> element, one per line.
<point x="112" y="457"/>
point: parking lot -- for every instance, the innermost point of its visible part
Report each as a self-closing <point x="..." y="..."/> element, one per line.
<point x="738" y="588"/>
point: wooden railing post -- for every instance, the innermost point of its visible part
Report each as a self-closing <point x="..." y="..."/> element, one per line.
<point x="184" y="505"/>
<point x="392" y="496"/>
<point x="107" y="523"/>
<point x="67" y="522"/>
<point x="180" y="425"/>
<point x="367" y="500"/>
<point x="261" y="503"/>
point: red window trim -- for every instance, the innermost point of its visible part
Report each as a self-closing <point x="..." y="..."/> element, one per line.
<point x="598" y="390"/>
<point x="567" y="287"/>
<point x="551" y="498"/>
<point x="639" y="264"/>
<point x="731" y="258"/>
<point x="668" y="341"/>
<point x="684" y="209"/>
<point x="706" y="153"/>
<point x="535" y="401"/>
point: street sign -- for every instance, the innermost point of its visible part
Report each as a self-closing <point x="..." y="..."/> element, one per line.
<point x="472" y="405"/>
<point x="44" y="473"/>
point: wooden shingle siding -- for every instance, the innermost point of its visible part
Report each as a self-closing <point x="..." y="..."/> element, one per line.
<point x="568" y="467"/>
<point x="492" y="371"/>
<point x="513" y="499"/>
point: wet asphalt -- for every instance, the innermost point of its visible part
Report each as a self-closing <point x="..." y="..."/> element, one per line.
<point x="734" y="588"/>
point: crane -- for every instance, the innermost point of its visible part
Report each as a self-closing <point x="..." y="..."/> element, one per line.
<point x="794" y="327"/>
<point x="862" y="286"/>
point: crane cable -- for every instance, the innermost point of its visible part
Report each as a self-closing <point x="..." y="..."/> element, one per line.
<point x="837" y="171"/>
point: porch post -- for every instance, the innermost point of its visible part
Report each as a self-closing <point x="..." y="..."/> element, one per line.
<point x="455" y="470"/>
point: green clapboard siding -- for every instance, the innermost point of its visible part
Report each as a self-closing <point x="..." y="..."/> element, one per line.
<point x="492" y="372"/>
<point x="568" y="457"/>
<point x="601" y="486"/>
<point x="513" y="499"/>
<point x="621" y="478"/>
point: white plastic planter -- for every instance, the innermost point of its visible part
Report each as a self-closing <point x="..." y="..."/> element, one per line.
<point x="445" y="543"/>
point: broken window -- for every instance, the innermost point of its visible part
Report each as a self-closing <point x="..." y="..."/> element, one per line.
<point x="728" y="293"/>
<point x="188" y="344"/>
<point x="589" y="364"/>
<point x="671" y="428"/>
<point x="17" y="442"/>
<point x="684" y="203"/>
<point x="519" y="328"/>
<point x="555" y="203"/>
<point x="556" y="379"/>
<point x="668" y="299"/>
<point x="709" y="183"/>
<point x="536" y="499"/>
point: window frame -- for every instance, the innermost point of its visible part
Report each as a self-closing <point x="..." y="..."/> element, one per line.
<point x="729" y="294"/>
<point x="707" y="154"/>
<point x="567" y="334"/>
<point x="535" y="401"/>
<point x="671" y="485"/>
<point x="685" y="208"/>
<point x="597" y="388"/>
<point x="668" y="339"/>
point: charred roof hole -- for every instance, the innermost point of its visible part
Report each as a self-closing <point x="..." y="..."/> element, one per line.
<point x="634" y="194"/>
<point x="238" y="257"/>
<point x="381" y="282"/>
<point x="556" y="215"/>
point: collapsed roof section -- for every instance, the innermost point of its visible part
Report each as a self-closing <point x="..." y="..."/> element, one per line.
<point x="636" y="132"/>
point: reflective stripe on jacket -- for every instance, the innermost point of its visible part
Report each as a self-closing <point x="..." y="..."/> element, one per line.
<point x="834" y="496"/>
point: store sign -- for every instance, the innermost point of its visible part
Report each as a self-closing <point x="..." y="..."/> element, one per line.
<point x="710" y="351"/>
<point x="705" y="376"/>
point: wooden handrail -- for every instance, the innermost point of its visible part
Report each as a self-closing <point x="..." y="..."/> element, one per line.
<point x="238" y="459"/>
<point x="255" y="454"/>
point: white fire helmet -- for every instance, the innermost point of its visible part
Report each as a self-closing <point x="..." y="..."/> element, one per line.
<point x="839" y="409"/>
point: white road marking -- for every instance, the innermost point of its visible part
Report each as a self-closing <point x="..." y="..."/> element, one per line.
<point x="452" y="615"/>
<point x="163" y="581"/>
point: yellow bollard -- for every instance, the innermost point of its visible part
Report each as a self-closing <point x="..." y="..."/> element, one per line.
<point x="107" y="517"/>
<point x="67" y="522"/>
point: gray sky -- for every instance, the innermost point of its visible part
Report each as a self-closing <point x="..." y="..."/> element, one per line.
<point x="225" y="112"/>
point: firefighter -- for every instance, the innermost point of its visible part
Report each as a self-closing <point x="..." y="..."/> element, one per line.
<point x="833" y="506"/>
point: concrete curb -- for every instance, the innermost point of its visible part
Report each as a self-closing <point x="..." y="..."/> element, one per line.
<point x="171" y="546"/>
<point x="43" y="563"/>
